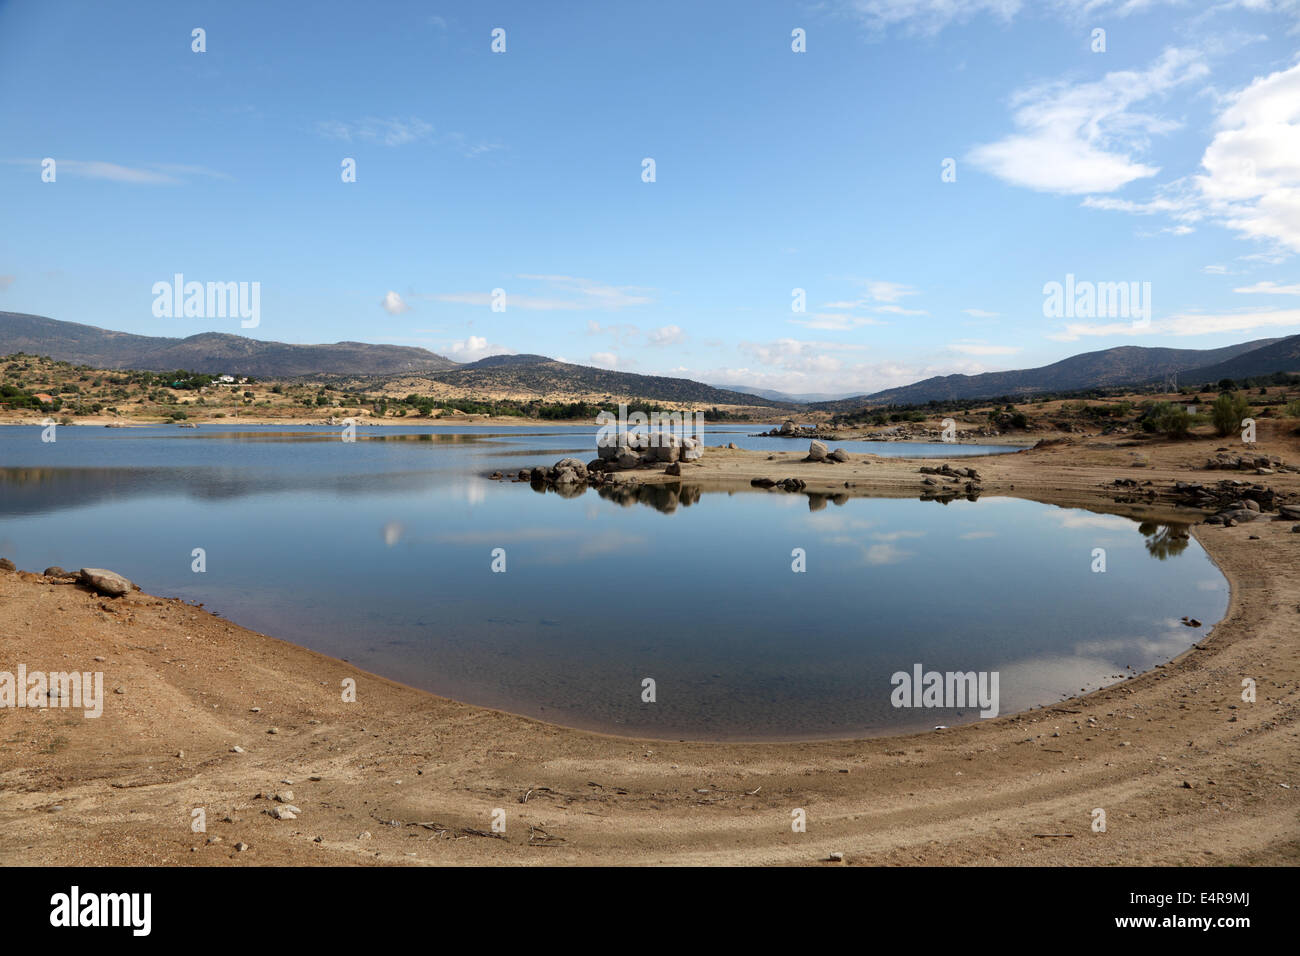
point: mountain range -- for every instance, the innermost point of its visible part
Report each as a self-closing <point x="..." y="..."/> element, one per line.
<point x="1120" y="366"/>
<point x="539" y="375"/>
<point x="213" y="352"/>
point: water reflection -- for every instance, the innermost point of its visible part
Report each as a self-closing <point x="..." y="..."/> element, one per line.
<point x="1165" y="540"/>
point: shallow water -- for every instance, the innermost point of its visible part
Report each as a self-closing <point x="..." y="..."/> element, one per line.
<point x="380" y="551"/>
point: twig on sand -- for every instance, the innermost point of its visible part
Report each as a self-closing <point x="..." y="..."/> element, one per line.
<point x="537" y="836"/>
<point x="441" y="829"/>
<point x="1053" y="835"/>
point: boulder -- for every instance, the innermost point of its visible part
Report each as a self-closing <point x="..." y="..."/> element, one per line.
<point x="667" y="448"/>
<point x="763" y="482"/>
<point x="838" y="455"/>
<point x="674" y="469"/>
<point x="608" y="452"/>
<point x="7" y="565"/>
<point x="54" y="572"/>
<point x="567" y="476"/>
<point x="572" y="464"/>
<point x="692" y="448"/>
<point x="627" y="458"/>
<point x="787" y="427"/>
<point x="106" y="582"/>
<point x="816" y="451"/>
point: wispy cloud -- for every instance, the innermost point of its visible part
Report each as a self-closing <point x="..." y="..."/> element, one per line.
<point x="1085" y="137"/>
<point x="148" y="174"/>
<point x="1187" y="323"/>
<point x="372" y="129"/>
<point x="983" y="348"/>
<point x="570" y="293"/>
<point x="1269" y="288"/>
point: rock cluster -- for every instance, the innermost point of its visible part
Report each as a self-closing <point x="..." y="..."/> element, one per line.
<point x="817" y="451"/>
<point x="786" y="484"/>
<point x="949" y="475"/>
<point x="647" y="449"/>
<point x="789" y="429"/>
<point x="1261" y="464"/>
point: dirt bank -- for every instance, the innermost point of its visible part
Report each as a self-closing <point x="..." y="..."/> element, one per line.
<point x="1186" y="771"/>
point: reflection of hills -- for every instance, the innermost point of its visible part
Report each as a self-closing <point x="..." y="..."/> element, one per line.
<point x="1163" y="539"/>
<point x="40" y="490"/>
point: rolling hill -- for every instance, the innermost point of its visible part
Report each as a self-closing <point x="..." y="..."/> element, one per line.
<point x="536" y="376"/>
<point x="1124" y="365"/>
<point x="213" y="352"/>
<point x="1281" y="355"/>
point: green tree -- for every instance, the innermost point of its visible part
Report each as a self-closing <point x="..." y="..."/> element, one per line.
<point x="1227" y="412"/>
<point x="1169" y="419"/>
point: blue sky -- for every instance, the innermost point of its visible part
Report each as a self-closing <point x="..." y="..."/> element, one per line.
<point x="1173" y="157"/>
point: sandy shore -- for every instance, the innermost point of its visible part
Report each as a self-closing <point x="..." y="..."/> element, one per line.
<point x="1186" y="771"/>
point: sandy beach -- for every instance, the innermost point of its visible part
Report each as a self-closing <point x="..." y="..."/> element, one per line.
<point x="1186" y="771"/>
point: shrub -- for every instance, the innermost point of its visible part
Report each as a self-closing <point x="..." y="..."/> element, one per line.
<point x="1227" y="412"/>
<point x="1168" y="419"/>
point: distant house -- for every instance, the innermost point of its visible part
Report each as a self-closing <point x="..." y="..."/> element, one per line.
<point x="43" y="398"/>
<point x="225" y="380"/>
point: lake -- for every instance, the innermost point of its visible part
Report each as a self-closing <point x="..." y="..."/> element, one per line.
<point x="380" y="551"/>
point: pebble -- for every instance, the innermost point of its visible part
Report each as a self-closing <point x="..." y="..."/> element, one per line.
<point x="273" y="730"/>
<point x="241" y="847"/>
<point x="236" y="750"/>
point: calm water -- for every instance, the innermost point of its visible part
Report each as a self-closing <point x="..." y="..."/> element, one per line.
<point x="379" y="551"/>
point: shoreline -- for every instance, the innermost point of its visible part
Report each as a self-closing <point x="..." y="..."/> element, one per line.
<point x="976" y="793"/>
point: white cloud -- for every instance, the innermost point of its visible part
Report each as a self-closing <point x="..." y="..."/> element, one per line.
<point x="1188" y="323"/>
<point x="982" y="348"/>
<point x="392" y="303"/>
<point x="1252" y="166"/>
<point x="1083" y="138"/>
<point x="149" y="174"/>
<point x="889" y="291"/>
<point x="389" y="132"/>
<point x="929" y="17"/>
<point x="1269" y="288"/>
<point x="835" y="321"/>
<point x="667" y="335"/>
<point x="604" y="359"/>
<point x="579" y="294"/>
<point x="474" y="348"/>
<point x="981" y="313"/>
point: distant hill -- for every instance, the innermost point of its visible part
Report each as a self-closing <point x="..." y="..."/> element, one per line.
<point x="498" y="361"/>
<point x="213" y="352"/>
<point x="1125" y="365"/>
<point x="536" y="376"/>
<point x="801" y="399"/>
<point x="1280" y="355"/>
